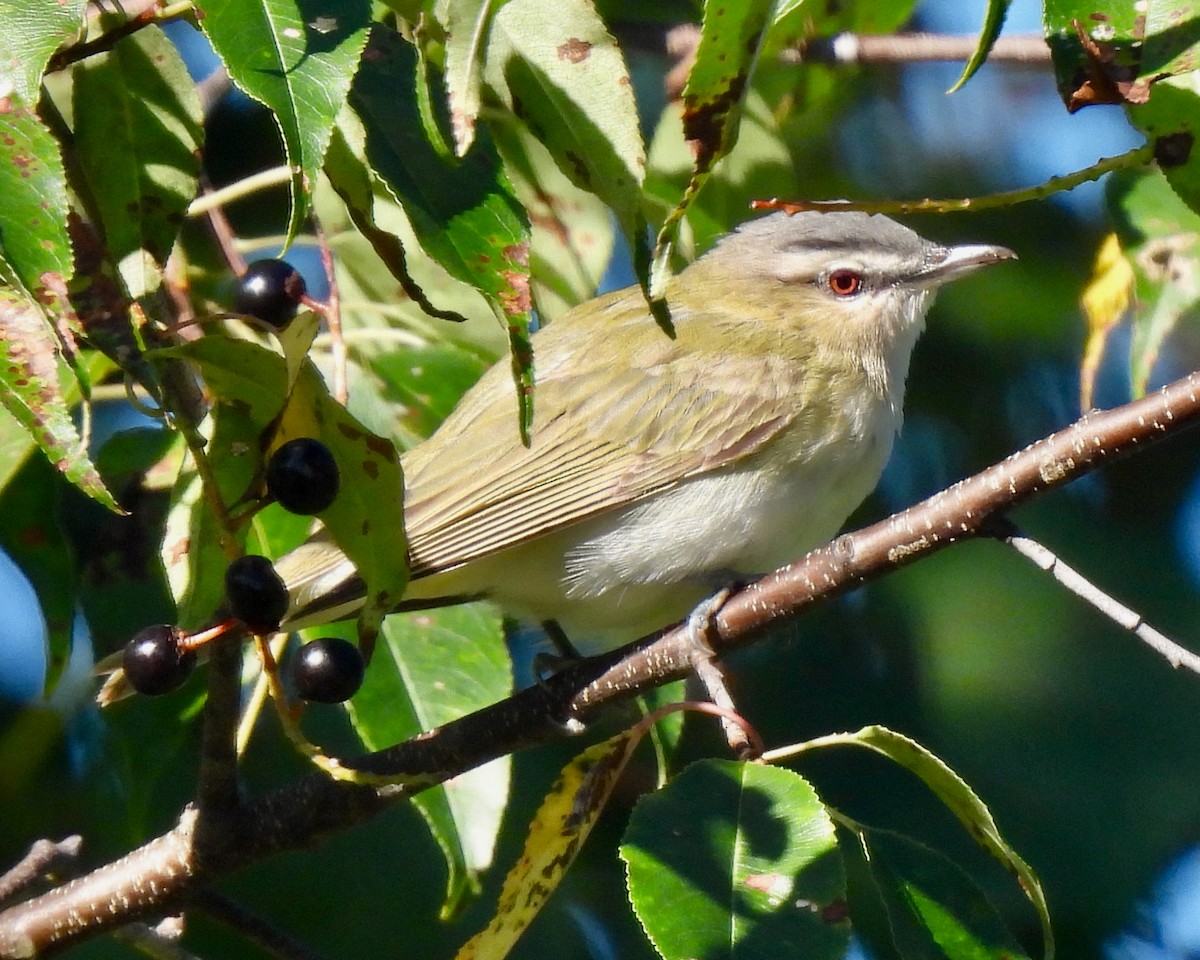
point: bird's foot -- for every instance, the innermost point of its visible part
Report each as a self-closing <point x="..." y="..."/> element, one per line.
<point x="546" y="664"/>
<point x="709" y="672"/>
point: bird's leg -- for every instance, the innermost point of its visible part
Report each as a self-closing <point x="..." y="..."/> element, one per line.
<point x="709" y="673"/>
<point x="558" y="638"/>
<point x="545" y="664"/>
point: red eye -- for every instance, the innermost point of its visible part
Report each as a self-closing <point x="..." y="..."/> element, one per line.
<point x="844" y="283"/>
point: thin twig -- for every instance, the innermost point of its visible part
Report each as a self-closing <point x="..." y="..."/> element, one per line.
<point x="258" y="697"/>
<point x="210" y="199"/>
<point x="846" y="49"/>
<point x="213" y="88"/>
<point x="258" y="930"/>
<point x="217" y="792"/>
<point x="44" y="857"/>
<point x="680" y="42"/>
<point x="331" y="310"/>
<point x="222" y="232"/>
<point x="1041" y="556"/>
<point x="155" y="941"/>
<point x="1137" y="157"/>
<point x="152" y="15"/>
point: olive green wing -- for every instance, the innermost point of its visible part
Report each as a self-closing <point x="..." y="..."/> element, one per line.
<point x="604" y="436"/>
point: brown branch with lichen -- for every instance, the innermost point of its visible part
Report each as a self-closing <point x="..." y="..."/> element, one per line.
<point x="206" y="845"/>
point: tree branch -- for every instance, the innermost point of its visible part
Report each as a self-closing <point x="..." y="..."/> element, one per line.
<point x="149" y="16"/>
<point x="270" y="938"/>
<point x="851" y="48"/>
<point x="160" y="876"/>
<point x="44" y="858"/>
<point x="1087" y="591"/>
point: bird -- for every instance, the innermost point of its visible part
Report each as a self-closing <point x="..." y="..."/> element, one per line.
<point x="661" y="467"/>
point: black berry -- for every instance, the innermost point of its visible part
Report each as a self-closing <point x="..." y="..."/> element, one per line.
<point x="303" y="476"/>
<point x="155" y="662"/>
<point x="255" y="593"/>
<point x="328" y="670"/>
<point x="270" y="290"/>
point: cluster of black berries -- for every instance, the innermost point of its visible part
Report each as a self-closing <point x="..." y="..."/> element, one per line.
<point x="302" y="475"/>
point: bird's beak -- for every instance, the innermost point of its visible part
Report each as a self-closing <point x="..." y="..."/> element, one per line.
<point x="949" y="263"/>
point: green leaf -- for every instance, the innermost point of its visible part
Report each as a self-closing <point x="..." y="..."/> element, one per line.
<point x="992" y="25"/>
<point x="1143" y="56"/>
<point x="411" y="172"/>
<point x="730" y="39"/>
<point x="959" y="799"/>
<point x="934" y="909"/>
<point x="429" y="668"/>
<point x="563" y="77"/>
<point x="30" y="390"/>
<point x="1169" y="120"/>
<point x="249" y="386"/>
<point x="275" y="531"/>
<point x="237" y="372"/>
<point x="429" y="381"/>
<point x="465" y="216"/>
<point x="572" y="228"/>
<point x="737" y="860"/>
<point x="134" y="451"/>
<point x="1160" y="239"/>
<point x="297" y="57"/>
<point x="369" y="205"/>
<point x="1169" y="76"/>
<point x="138" y="130"/>
<point x="15" y="447"/>
<point x="759" y="165"/>
<point x="368" y="287"/>
<point x="1172" y="42"/>
<point x="467" y="24"/>
<point x="366" y="519"/>
<point x="17" y="443"/>
<point x="1087" y="70"/>
<point x="558" y="69"/>
<point x="819" y="18"/>
<point x="33" y="195"/>
<point x="30" y="31"/>
<point x="101" y="306"/>
<point x="192" y="551"/>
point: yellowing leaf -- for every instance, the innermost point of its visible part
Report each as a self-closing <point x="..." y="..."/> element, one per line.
<point x="295" y="340"/>
<point x="1105" y="301"/>
<point x="31" y="391"/>
<point x="558" y="831"/>
<point x="366" y="520"/>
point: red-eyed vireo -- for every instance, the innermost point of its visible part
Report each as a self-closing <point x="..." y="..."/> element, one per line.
<point x="660" y="469"/>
